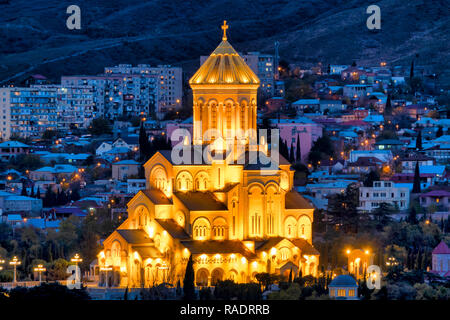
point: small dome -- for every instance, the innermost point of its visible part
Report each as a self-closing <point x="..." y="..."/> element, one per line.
<point x="343" y="281"/>
<point x="224" y="66"/>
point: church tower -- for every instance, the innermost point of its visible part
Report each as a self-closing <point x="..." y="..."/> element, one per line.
<point x="224" y="97"/>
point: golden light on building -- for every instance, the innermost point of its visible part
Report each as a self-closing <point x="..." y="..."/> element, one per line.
<point x="200" y="209"/>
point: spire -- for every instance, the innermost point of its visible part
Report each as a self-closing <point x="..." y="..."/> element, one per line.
<point x="224" y="28"/>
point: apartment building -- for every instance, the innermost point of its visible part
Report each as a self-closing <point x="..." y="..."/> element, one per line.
<point x="263" y="66"/>
<point x="370" y="198"/>
<point x="74" y="105"/>
<point x="125" y="90"/>
<point x="27" y="112"/>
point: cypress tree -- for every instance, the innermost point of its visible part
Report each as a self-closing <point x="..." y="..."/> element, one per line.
<point x="32" y="192"/>
<point x="419" y="141"/>
<point x="38" y="193"/>
<point x="291" y="154"/>
<point x="411" y="71"/>
<point x="143" y="143"/>
<point x="290" y="276"/>
<point x="24" y="190"/>
<point x="188" y="282"/>
<point x="298" y="151"/>
<point x="388" y="107"/>
<point x="439" y="132"/>
<point x="416" y="185"/>
<point x="412" y="217"/>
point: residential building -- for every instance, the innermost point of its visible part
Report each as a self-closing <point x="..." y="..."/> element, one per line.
<point x="438" y="198"/>
<point x="121" y="170"/>
<point x="409" y="163"/>
<point x="11" y="202"/>
<point x="291" y="129"/>
<point x="10" y="149"/>
<point x="370" y="198"/>
<point x="135" y="185"/>
<point x="302" y="104"/>
<point x="355" y="91"/>
<point x="27" y="112"/>
<point x="59" y="171"/>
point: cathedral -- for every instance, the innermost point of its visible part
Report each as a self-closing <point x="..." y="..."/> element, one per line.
<point x="235" y="218"/>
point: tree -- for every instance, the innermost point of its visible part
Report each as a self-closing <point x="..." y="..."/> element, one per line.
<point x="419" y="140"/>
<point x="100" y="126"/>
<point x="416" y="184"/>
<point x="412" y="216"/>
<point x="411" y="71"/>
<point x="298" y="153"/>
<point x="291" y="154"/>
<point x="144" y="144"/>
<point x="290" y="276"/>
<point x="188" y="282"/>
<point x="439" y="132"/>
<point x="382" y="214"/>
<point x="388" y="107"/>
<point x="370" y="178"/>
<point x="343" y="209"/>
<point x="24" y="190"/>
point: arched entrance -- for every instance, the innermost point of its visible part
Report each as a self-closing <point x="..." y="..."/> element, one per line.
<point x="202" y="278"/>
<point x="216" y="276"/>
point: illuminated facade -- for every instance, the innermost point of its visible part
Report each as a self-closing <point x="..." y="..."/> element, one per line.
<point x="233" y="220"/>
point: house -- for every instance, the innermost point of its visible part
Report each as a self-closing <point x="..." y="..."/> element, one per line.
<point x="326" y="189"/>
<point x="11" y="202"/>
<point x="134" y="185"/>
<point x="416" y="110"/>
<point x="352" y="73"/>
<point x="383" y="155"/>
<point x="131" y="142"/>
<point x="438" y="198"/>
<point x="103" y="147"/>
<point x="275" y="104"/>
<point x="171" y="126"/>
<point x="374" y="119"/>
<point x="343" y="287"/>
<point x="291" y="129"/>
<point x="370" y="198"/>
<point x="332" y="105"/>
<point x="121" y="170"/>
<point x="409" y="163"/>
<point x="302" y="104"/>
<point x="389" y="144"/>
<point x="10" y="149"/>
<point x="355" y="91"/>
<point x="441" y="260"/>
<point x="363" y="165"/>
<point x="51" y="173"/>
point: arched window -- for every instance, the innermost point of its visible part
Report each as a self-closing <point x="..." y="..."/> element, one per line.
<point x="184" y="181"/>
<point x="304" y="227"/>
<point x="290" y="225"/>
<point x="201" y="229"/>
<point x="285" y="254"/>
<point x="219" y="228"/>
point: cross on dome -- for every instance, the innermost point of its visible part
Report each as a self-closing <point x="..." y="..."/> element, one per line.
<point x="224" y="28"/>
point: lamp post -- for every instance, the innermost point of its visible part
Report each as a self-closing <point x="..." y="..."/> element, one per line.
<point x="1" y="262"/>
<point x="15" y="262"/>
<point x="40" y="268"/>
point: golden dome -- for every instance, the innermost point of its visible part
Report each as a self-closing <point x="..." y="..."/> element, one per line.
<point x="224" y="66"/>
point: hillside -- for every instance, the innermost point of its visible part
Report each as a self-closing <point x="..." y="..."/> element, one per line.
<point x="177" y="32"/>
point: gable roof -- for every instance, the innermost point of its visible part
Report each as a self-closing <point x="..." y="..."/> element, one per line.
<point x="200" y="201"/>
<point x="173" y="228"/>
<point x="442" y="248"/>
<point x="135" y="236"/>
<point x="295" y="200"/>
<point x="156" y="196"/>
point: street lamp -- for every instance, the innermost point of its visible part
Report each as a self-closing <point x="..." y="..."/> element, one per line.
<point x="40" y="268"/>
<point x="1" y="262"/>
<point x="15" y="262"/>
<point x="76" y="258"/>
